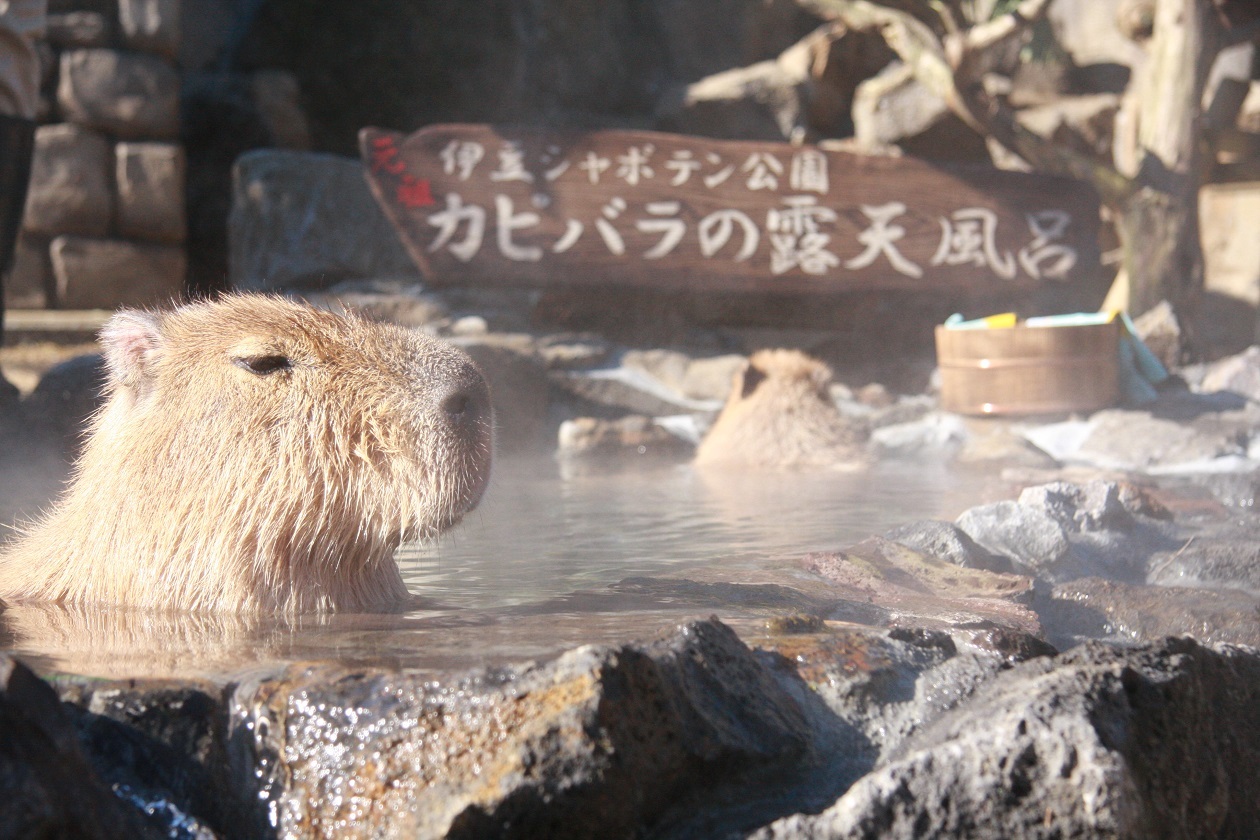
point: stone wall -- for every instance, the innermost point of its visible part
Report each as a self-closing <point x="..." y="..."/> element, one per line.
<point x="105" y="219"/>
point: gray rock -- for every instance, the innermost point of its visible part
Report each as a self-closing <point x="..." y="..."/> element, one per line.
<point x="907" y="409"/>
<point x="305" y="220"/>
<point x="1128" y="439"/>
<point x="936" y="434"/>
<point x="998" y="443"/>
<point x="1094" y="608"/>
<point x="469" y="326"/>
<point x="710" y="378"/>
<point x="1220" y="556"/>
<point x="158" y="747"/>
<point x="70" y="30"/>
<point x="634" y="436"/>
<point x="864" y="693"/>
<point x="695" y="379"/>
<point x="1239" y="373"/>
<point x="107" y="273"/>
<point x="596" y="743"/>
<point x="149" y="178"/>
<point x="1099" y="742"/>
<point x="1095" y="506"/>
<point x="1114" y="528"/>
<point x="669" y="367"/>
<point x="1032" y="538"/>
<point x="574" y="352"/>
<point x="1061" y="531"/>
<point x="70" y="190"/>
<point x="629" y="390"/>
<point x="151" y="25"/>
<point x="1180" y="434"/>
<point x="913" y="676"/>
<point x="47" y="786"/>
<point x="948" y="542"/>
<point x="126" y="94"/>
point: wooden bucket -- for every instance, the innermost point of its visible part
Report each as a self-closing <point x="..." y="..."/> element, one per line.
<point x="1029" y="370"/>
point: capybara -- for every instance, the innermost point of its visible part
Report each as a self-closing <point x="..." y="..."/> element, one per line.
<point x="779" y="414"/>
<point x="255" y="455"/>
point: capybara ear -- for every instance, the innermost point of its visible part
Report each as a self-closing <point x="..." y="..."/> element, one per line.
<point x="132" y="341"/>
<point x="751" y="378"/>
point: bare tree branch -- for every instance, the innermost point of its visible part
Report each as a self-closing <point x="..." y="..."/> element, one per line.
<point x="951" y="70"/>
<point x="982" y="36"/>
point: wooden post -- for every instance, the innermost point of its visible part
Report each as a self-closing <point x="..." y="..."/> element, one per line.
<point x="1159" y="222"/>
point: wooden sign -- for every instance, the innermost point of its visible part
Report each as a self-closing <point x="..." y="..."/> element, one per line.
<point x="523" y="206"/>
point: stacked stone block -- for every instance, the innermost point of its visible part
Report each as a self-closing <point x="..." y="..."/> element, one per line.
<point x="105" y="219"/>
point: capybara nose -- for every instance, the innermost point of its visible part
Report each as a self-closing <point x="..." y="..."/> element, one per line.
<point x="464" y="402"/>
<point x="457" y="405"/>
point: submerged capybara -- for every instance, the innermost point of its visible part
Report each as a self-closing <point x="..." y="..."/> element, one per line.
<point x="255" y="455"/>
<point x="780" y="414"/>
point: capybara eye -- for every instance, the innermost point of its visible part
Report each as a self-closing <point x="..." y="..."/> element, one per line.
<point x="263" y="365"/>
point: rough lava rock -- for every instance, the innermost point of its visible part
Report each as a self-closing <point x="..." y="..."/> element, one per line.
<point x="1033" y="539"/>
<point x="1239" y="374"/>
<point x="1062" y="531"/>
<point x="922" y="591"/>
<point x="1096" y="608"/>
<point x="596" y="743"/>
<point x="1225" y="557"/>
<point x="1158" y="741"/>
<point x="948" y="542"/>
<point x="826" y="730"/>
<point x="48" y="788"/>
<point x="1181" y="433"/>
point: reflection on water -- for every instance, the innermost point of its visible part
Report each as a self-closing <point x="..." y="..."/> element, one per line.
<point x="541" y="532"/>
<point x="528" y="574"/>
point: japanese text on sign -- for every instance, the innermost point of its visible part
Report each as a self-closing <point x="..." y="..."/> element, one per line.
<point x="469" y="195"/>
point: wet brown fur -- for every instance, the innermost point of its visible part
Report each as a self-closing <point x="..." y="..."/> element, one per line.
<point x="780" y="414"/>
<point x="216" y="478"/>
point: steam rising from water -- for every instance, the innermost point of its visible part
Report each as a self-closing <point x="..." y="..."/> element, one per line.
<point x="528" y="574"/>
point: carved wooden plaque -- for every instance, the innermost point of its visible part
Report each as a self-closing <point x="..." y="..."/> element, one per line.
<point x="523" y="206"/>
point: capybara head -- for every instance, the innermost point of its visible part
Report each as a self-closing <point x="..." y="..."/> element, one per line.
<point x="257" y="455"/>
<point x="780" y="414"/>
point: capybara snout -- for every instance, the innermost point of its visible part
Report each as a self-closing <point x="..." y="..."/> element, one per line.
<point x="255" y="454"/>
<point x="462" y="398"/>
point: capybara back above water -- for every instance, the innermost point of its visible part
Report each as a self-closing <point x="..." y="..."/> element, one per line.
<point x="258" y="455"/>
<point x="780" y="414"/>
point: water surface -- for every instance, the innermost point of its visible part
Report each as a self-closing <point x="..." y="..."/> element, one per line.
<point x="546" y="529"/>
<point x="535" y="570"/>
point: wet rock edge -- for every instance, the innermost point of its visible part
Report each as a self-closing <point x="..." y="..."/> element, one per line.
<point x="691" y="734"/>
